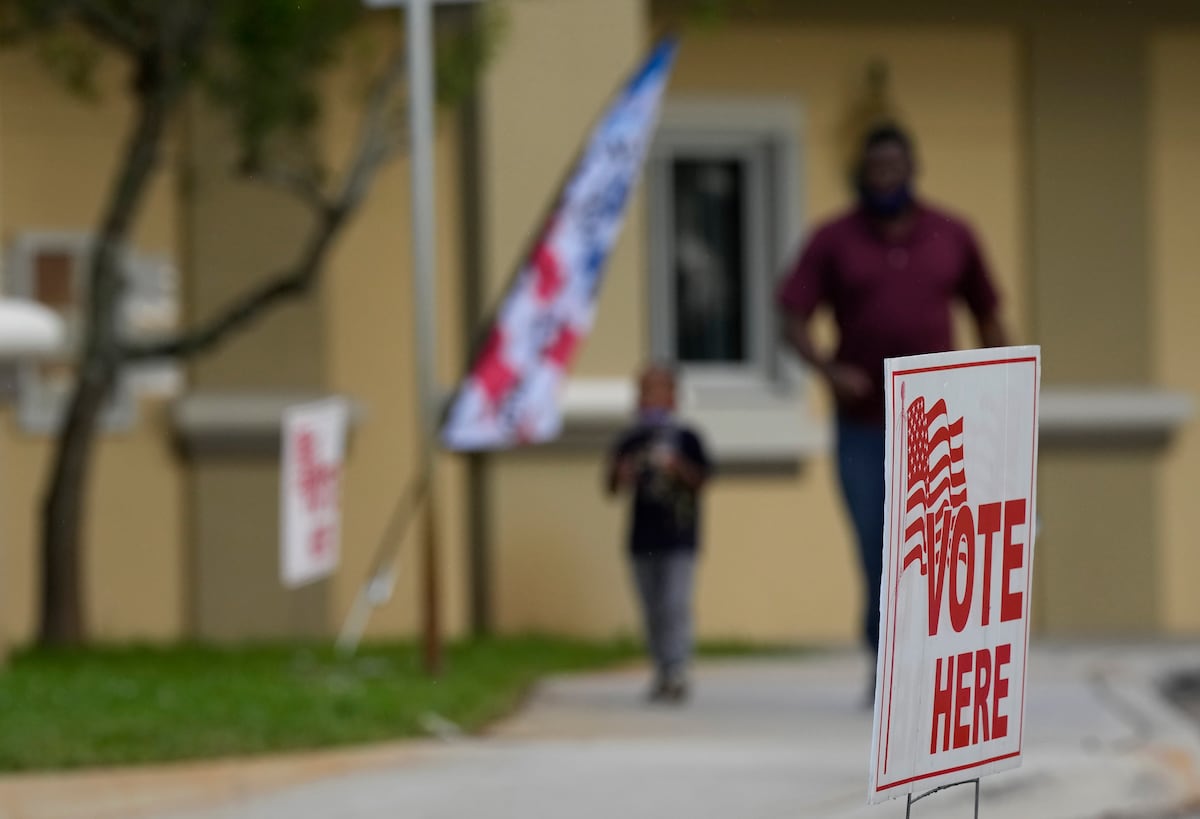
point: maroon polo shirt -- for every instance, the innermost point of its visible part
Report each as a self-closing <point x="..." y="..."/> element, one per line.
<point x="889" y="298"/>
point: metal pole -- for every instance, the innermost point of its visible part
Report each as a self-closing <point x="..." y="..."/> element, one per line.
<point x="421" y="113"/>
<point x="378" y="587"/>
<point x="419" y="31"/>
<point x="474" y="310"/>
<point x="419" y="25"/>
<point x="912" y="801"/>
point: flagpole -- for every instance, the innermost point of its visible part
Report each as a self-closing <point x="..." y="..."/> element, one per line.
<point x="421" y="79"/>
<point x="419" y="30"/>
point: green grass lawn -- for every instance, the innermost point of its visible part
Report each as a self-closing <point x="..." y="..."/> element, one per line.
<point x="114" y="706"/>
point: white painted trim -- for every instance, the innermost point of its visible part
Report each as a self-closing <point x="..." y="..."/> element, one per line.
<point x="744" y="424"/>
<point x="744" y="114"/>
<point x="41" y="404"/>
<point x="1113" y="411"/>
<point x="1064" y="408"/>
<point x="236" y="420"/>
<point x="29" y="329"/>
<point x="391" y="4"/>
<point x="768" y="126"/>
<point x="752" y="423"/>
<point x="598" y="399"/>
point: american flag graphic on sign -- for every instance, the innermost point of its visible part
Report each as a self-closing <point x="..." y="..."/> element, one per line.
<point x="937" y="478"/>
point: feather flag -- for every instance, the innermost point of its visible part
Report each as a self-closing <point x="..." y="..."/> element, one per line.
<point x="512" y="394"/>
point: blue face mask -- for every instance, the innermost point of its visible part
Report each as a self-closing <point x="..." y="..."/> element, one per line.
<point x="888" y="205"/>
<point x="653" y="417"/>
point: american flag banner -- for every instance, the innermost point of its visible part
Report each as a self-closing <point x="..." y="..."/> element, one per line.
<point x="936" y="477"/>
<point x="511" y="396"/>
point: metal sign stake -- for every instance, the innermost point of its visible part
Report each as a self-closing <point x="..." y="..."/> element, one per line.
<point x="913" y="800"/>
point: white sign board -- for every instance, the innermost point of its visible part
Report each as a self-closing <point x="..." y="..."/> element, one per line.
<point x="314" y="445"/>
<point x="962" y="445"/>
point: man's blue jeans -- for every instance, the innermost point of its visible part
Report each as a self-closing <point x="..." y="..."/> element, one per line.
<point x="860" y="451"/>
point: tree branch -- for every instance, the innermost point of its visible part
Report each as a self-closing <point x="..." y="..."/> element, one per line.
<point x="374" y="145"/>
<point x="374" y="149"/>
<point x="293" y="281"/>
<point x="304" y="186"/>
<point x="109" y="27"/>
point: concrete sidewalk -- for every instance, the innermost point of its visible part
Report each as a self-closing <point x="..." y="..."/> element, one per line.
<point x="766" y="739"/>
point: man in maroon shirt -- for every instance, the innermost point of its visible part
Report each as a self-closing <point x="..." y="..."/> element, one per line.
<point x="890" y="269"/>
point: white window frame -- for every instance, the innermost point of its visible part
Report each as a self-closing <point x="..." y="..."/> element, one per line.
<point x="40" y="404"/>
<point x="767" y="133"/>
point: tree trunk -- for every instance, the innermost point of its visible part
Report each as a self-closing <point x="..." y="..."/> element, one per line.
<point x="62" y="511"/>
<point x="62" y="608"/>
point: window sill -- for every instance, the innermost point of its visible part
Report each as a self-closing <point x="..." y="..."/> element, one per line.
<point x="239" y="423"/>
<point x="748" y="426"/>
<point x="1106" y="416"/>
<point x="29" y="330"/>
<point x="753" y="426"/>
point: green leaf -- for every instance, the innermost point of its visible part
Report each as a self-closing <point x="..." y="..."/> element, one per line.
<point x="264" y="62"/>
<point x="72" y="58"/>
<point x="270" y="58"/>
<point x="465" y="48"/>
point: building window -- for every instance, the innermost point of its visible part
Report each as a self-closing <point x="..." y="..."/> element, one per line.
<point x="723" y="188"/>
<point x="709" y="248"/>
<point x="51" y="268"/>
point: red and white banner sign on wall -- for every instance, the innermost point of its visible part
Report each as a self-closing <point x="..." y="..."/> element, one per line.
<point x="962" y="446"/>
<point x="314" y="445"/>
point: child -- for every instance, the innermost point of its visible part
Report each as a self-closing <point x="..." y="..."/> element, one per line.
<point x="664" y="464"/>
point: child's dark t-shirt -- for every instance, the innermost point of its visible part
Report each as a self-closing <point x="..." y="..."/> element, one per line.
<point x="666" y="512"/>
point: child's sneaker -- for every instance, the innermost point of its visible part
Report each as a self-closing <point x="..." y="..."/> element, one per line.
<point x="676" y="690"/>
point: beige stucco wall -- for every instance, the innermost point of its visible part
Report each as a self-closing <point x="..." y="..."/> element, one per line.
<point x="1175" y="246"/>
<point x="778" y="564"/>
<point x="57" y="155"/>
<point x="1096" y="574"/>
